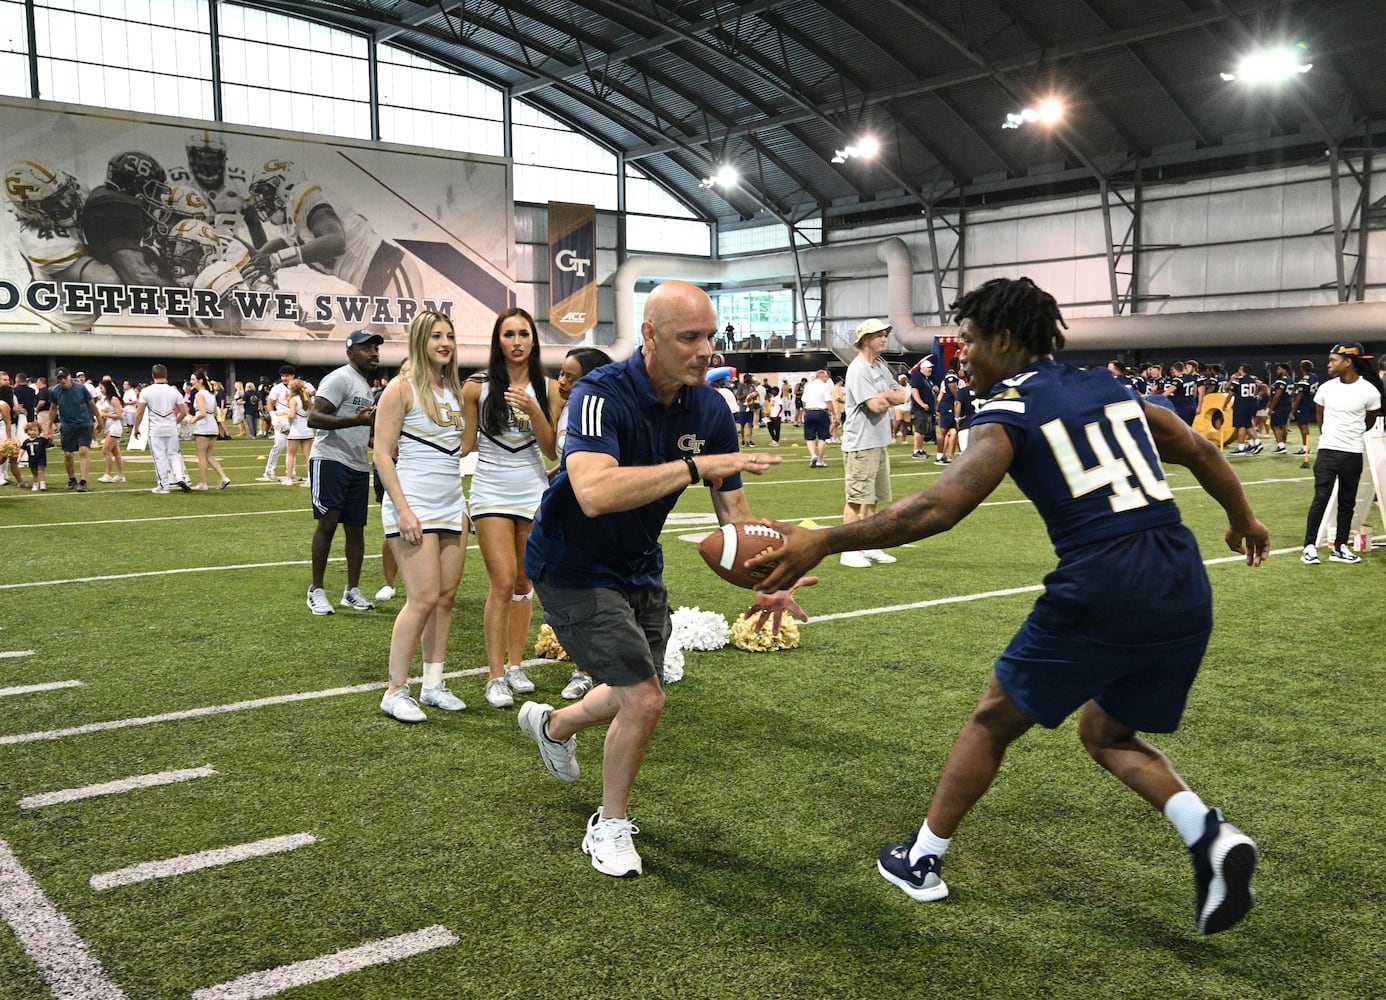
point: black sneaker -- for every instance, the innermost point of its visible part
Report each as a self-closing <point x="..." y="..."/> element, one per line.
<point x="72" y="484"/>
<point x="1343" y="554"/>
<point x="82" y="486"/>
<point x="922" y="881"/>
<point x="1224" y="861"/>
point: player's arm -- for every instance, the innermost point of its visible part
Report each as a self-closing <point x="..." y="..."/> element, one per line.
<point x="1177" y="443"/>
<point x="965" y="483"/>
<point x="133" y="267"/>
<point x="329" y="236"/>
<point x="604" y="486"/>
<point x="323" y="416"/>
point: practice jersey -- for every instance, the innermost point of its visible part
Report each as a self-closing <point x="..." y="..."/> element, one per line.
<point x="1280" y="413"/>
<point x="58" y="254"/>
<point x="1305" y="388"/>
<point x="614" y="411"/>
<point x="1246" y="394"/>
<point x="1083" y="453"/>
<point x="226" y="201"/>
<point x="362" y="241"/>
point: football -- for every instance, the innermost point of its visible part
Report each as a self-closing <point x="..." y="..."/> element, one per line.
<point x="727" y="549"/>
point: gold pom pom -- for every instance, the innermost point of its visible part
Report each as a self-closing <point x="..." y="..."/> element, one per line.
<point x="9" y="450"/>
<point x="746" y="636"/>
<point x="547" y="644"/>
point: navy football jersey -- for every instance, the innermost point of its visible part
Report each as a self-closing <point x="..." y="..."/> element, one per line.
<point x="1246" y="394"/>
<point x="1305" y="388"/>
<point x="1280" y="413"/>
<point x="1083" y="453"/>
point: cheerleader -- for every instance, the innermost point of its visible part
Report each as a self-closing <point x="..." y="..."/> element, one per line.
<point x="113" y="417"/>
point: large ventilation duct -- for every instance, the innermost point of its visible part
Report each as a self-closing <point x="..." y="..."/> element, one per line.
<point x="1364" y="321"/>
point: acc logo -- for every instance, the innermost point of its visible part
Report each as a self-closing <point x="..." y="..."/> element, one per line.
<point x="573" y="317"/>
<point x="566" y="260"/>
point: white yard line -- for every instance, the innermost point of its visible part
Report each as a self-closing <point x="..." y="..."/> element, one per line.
<point x="16" y="652"/>
<point x="202" y="860"/>
<point x="238" y="706"/>
<point x="148" y="520"/>
<point x="49" y="938"/>
<point x="32" y="688"/>
<point x="254" y="985"/>
<point x="115" y="787"/>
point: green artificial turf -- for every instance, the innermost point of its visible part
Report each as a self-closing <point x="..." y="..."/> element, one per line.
<point x="772" y="781"/>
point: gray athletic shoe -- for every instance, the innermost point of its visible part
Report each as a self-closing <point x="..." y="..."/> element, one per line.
<point x="441" y="697"/>
<point x="318" y="602"/>
<point x="353" y="598"/>
<point x="559" y="758"/>
<point x="519" y="680"/>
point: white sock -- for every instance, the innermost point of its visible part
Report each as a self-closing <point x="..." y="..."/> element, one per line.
<point x="432" y="674"/>
<point x="928" y="843"/>
<point x="1188" y="814"/>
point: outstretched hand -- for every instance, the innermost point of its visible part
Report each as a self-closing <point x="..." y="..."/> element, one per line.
<point x="770" y="607"/>
<point x="1252" y="540"/>
<point x="803" y="549"/>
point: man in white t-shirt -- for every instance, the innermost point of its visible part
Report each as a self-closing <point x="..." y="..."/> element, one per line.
<point x="1348" y="403"/>
<point x="870" y="395"/>
<point x="277" y="416"/>
<point x="164" y="406"/>
<point x="817" y="399"/>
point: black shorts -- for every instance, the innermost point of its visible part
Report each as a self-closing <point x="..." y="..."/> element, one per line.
<point x="339" y="487"/>
<point x="76" y="438"/>
<point x="617" y="636"/>
<point x="817" y="425"/>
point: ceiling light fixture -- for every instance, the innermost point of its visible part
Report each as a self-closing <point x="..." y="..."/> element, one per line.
<point x="1049" y="112"/>
<point x="866" y="147"/>
<point x="725" y="177"/>
<point x="1269" y="66"/>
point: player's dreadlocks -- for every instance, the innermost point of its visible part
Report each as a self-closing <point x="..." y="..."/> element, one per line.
<point x="1018" y="305"/>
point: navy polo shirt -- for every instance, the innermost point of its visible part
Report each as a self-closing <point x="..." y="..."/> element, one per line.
<point x="614" y="410"/>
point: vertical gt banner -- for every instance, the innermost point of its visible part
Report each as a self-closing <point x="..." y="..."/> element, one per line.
<point x="572" y="252"/>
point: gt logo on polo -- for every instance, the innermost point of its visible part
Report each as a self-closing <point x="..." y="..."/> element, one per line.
<point x="691" y="444"/>
<point x="566" y="260"/>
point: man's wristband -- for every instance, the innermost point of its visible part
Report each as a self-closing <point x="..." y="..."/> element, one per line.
<point x="694" y="477"/>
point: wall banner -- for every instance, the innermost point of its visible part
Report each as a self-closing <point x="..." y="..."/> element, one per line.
<point x="158" y="232"/>
<point x="572" y="282"/>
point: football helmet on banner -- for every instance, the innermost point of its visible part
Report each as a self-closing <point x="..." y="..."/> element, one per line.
<point x="48" y="198"/>
<point x="138" y="174"/>
<point x="267" y="186"/>
<point x="179" y="203"/>
<point x="193" y="245"/>
<point x="207" y="159"/>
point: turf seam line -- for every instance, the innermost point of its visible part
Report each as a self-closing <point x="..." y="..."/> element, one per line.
<point x="185" y="864"/>
<point x="254" y="985"/>
<point x="48" y="937"/>
<point x="115" y="787"/>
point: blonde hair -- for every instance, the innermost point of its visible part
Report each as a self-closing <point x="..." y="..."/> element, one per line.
<point x="419" y="373"/>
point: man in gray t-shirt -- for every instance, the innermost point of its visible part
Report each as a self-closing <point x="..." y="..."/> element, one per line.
<point x="870" y="395"/>
<point x="339" y="471"/>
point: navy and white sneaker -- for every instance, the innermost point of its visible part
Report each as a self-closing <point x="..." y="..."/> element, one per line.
<point x="922" y="881"/>
<point x="1224" y="861"/>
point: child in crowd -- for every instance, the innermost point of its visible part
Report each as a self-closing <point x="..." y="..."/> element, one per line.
<point x="35" y="447"/>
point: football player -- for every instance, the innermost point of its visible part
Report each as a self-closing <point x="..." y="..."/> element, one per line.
<point x="119" y="221"/>
<point x="48" y="205"/>
<point x="200" y="255"/>
<point x="224" y="184"/>
<point x="1244" y="396"/>
<point x="324" y="233"/>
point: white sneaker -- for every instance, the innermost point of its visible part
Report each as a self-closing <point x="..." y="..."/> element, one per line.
<point x="856" y="559"/>
<point x="559" y="758"/>
<point x="385" y="593"/>
<point x="1343" y="554"/>
<point x="353" y="598"/>
<point x="223" y="484"/>
<point x="1310" y="556"/>
<point x="609" y="846"/>
<point x="285" y="481"/>
<point x="441" y="697"/>
<point x="117" y="479"/>
<point x="498" y="693"/>
<point x="266" y="478"/>
<point x="398" y="705"/>
<point x="877" y="556"/>
<point x="200" y="488"/>
<point x="518" y="680"/>
<point x="578" y="685"/>
<point x="318" y="602"/>
<point x="159" y="489"/>
<point x="105" y="479"/>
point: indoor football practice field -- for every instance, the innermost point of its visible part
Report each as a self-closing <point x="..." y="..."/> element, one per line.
<point x="200" y="797"/>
